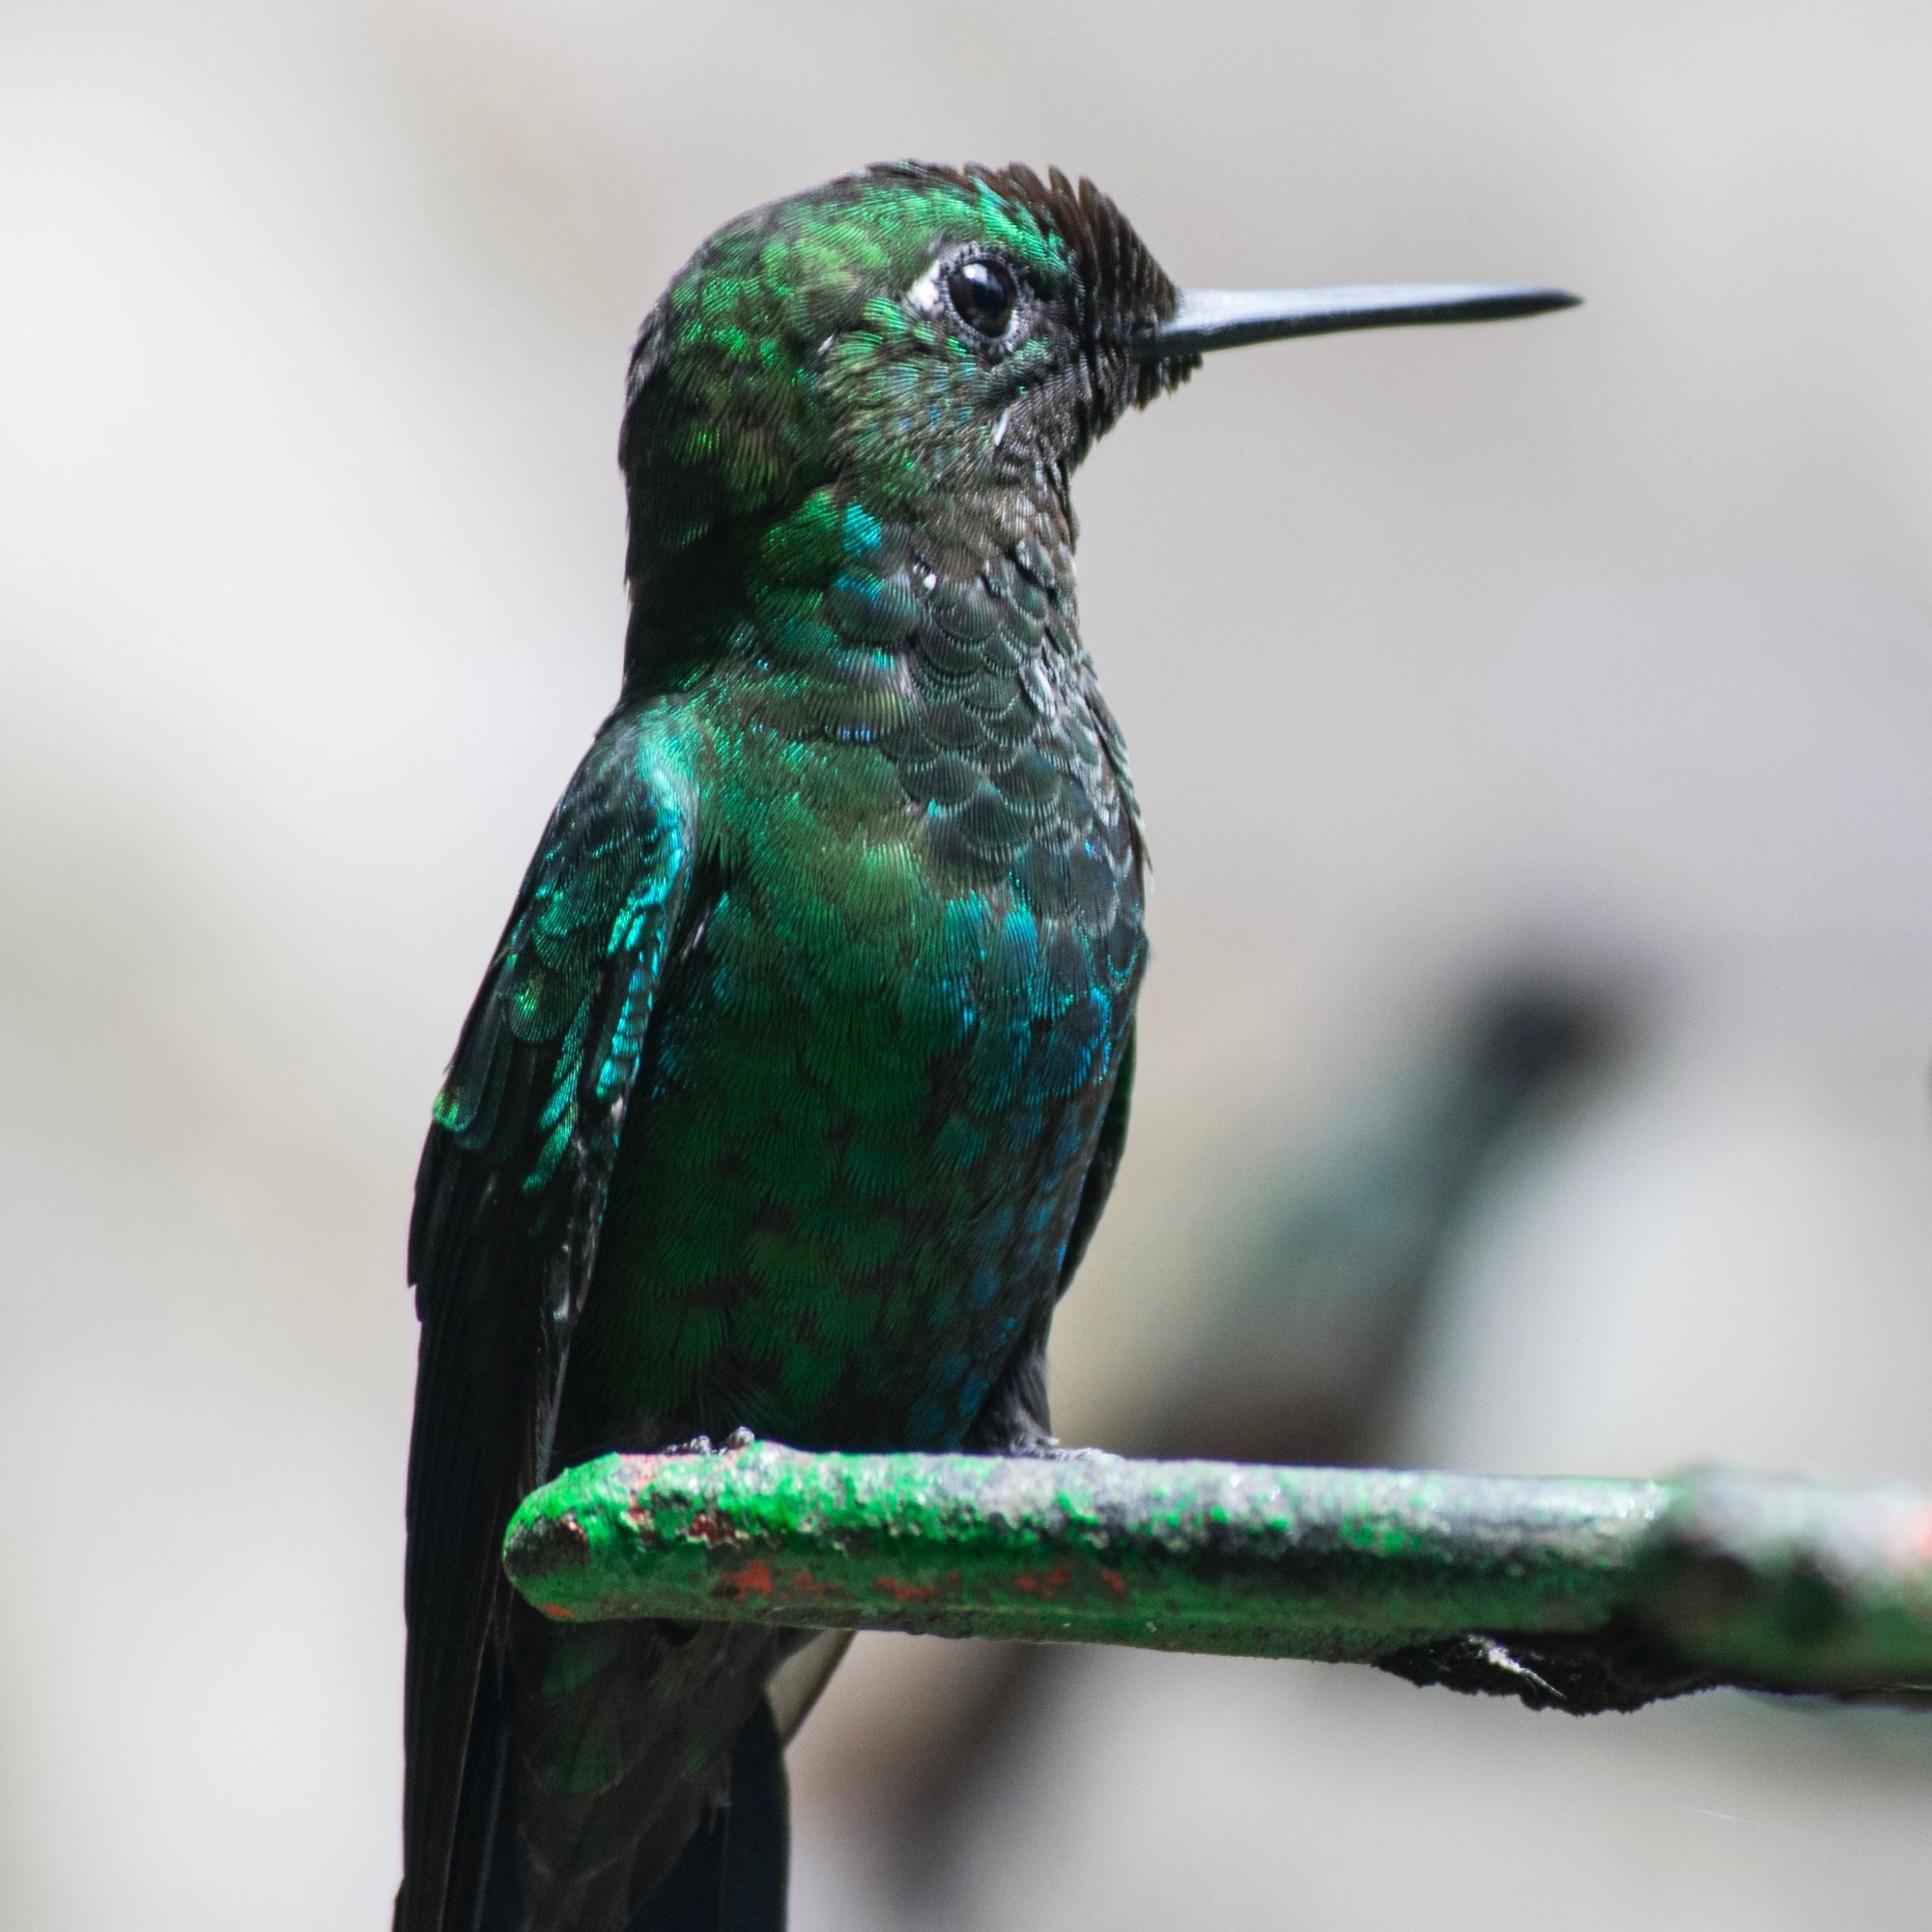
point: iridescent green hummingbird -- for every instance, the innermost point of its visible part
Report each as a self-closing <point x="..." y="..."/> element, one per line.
<point x="799" y="1074"/>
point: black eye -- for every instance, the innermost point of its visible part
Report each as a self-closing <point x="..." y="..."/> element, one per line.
<point x="983" y="294"/>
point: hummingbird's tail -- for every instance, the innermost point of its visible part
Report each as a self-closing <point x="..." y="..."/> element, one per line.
<point x="730" y="1877"/>
<point x="626" y="1778"/>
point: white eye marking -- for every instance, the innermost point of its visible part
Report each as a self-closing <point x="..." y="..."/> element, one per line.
<point x="924" y="296"/>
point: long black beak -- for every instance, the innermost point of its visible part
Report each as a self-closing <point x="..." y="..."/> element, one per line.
<point x="1226" y="318"/>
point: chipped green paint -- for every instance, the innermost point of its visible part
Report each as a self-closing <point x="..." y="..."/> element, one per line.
<point x="1175" y="1555"/>
<point x="1634" y="1589"/>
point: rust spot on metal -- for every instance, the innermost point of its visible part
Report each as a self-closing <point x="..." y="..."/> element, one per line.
<point x="806" y="1584"/>
<point x="754" y="1579"/>
<point x="1049" y="1583"/>
<point x="709" y="1527"/>
<point x="1919" y="1543"/>
<point x="1114" y="1580"/>
<point x="557" y="1613"/>
<point x="907" y="1593"/>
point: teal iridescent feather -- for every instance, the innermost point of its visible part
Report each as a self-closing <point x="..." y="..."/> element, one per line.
<point x="799" y="1073"/>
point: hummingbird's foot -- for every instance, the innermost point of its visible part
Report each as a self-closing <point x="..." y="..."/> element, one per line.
<point x="1486" y="1650"/>
<point x="1050" y="1449"/>
<point x="1479" y="1662"/>
<point x="703" y="1445"/>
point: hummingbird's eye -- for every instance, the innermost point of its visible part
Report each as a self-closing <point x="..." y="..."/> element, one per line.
<point x="982" y="296"/>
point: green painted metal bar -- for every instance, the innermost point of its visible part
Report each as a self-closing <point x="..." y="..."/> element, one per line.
<point x="1586" y="1593"/>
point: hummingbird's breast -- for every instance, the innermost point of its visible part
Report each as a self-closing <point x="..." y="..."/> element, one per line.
<point x="855" y="1154"/>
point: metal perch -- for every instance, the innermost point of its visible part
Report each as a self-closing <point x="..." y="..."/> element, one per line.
<point x="1583" y="1594"/>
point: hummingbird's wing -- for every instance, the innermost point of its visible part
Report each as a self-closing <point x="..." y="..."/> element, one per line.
<point x="509" y="1198"/>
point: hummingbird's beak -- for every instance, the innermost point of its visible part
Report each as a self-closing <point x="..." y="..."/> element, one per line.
<point x="1207" y="319"/>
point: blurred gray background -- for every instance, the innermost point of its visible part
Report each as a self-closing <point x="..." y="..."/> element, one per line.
<point x="1600" y="645"/>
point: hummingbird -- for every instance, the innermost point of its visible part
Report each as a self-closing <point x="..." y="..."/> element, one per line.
<point x="799" y="1078"/>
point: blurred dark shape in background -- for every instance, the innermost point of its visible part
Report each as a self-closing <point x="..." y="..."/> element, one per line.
<point x="1304" y="1335"/>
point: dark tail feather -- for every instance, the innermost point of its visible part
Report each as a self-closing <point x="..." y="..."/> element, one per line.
<point x="730" y="1877"/>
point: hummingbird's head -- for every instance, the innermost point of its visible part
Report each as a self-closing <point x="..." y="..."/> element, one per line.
<point x="907" y="339"/>
<point x="932" y="347"/>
